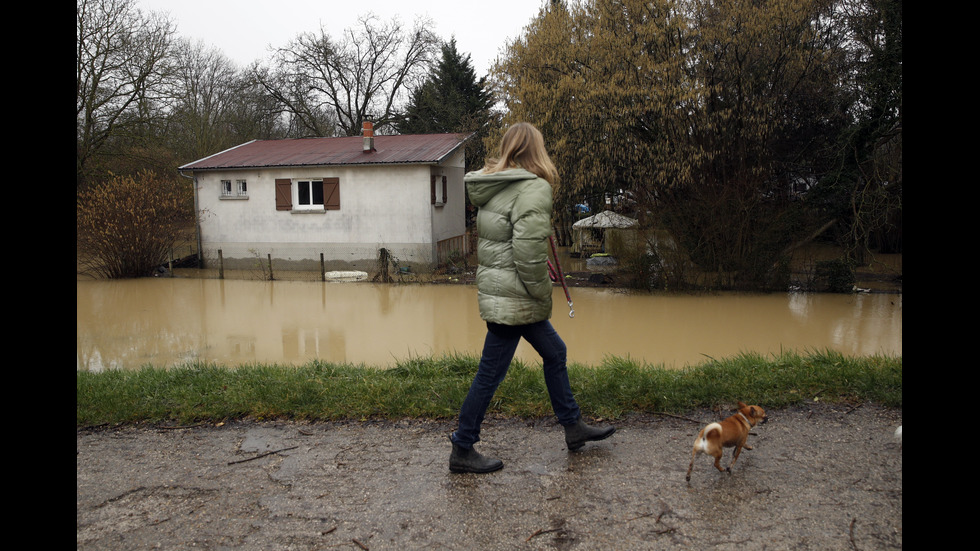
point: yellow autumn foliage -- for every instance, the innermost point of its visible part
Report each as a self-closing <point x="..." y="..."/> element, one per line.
<point x="693" y="108"/>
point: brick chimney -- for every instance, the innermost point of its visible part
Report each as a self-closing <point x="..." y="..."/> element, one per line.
<point x="368" y="131"/>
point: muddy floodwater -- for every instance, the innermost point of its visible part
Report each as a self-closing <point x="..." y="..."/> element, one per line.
<point x="162" y="322"/>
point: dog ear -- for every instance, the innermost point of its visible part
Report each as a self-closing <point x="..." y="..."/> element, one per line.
<point x="742" y="404"/>
<point x="752" y="411"/>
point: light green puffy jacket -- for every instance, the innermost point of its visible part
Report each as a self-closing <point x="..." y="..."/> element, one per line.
<point x="513" y="224"/>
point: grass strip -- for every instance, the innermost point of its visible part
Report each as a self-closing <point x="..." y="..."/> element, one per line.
<point x="435" y="387"/>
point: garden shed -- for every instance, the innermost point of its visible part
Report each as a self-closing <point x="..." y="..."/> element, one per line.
<point x="606" y="232"/>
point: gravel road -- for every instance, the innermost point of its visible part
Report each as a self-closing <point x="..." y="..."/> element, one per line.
<point x="822" y="477"/>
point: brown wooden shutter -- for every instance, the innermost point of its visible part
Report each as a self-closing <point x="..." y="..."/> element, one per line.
<point x="284" y="194"/>
<point x="445" y="191"/>
<point x="432" y="189"/>
<point x="331" y="193"/>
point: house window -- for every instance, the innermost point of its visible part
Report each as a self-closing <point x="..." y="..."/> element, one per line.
<point x="439" y="190"/>
<point x="239" y="190"/>
<point x="308" y="194"/>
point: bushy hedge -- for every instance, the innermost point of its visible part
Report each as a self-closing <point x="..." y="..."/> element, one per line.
<point x="127" y="225"/>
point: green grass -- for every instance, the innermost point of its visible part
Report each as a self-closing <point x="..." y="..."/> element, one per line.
<point x="435" y="388"/>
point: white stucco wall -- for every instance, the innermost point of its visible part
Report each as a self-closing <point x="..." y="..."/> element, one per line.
<point x="450" y="220"/>
<point x="380" y="206"/>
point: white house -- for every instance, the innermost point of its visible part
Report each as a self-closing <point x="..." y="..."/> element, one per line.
<point x="342" y="198"/>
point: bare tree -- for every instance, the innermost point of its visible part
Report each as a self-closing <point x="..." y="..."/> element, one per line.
<point x="331" y="86"/>
<point x="205" y="99"/>
<point x="255" y="113"/>
<point x="120" y="60"/>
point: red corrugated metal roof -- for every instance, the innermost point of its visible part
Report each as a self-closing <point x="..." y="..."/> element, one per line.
<point x="404" y="149"/>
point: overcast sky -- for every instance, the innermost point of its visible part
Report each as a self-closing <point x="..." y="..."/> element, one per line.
<point x="245" y="29"/>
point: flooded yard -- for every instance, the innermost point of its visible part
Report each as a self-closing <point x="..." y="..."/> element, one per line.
<point x="166" y="321"/>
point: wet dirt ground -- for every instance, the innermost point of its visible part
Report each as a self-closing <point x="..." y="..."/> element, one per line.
<point x="821" y="477"/>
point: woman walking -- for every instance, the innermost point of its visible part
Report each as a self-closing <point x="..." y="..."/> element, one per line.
<point x="514" y="197"/>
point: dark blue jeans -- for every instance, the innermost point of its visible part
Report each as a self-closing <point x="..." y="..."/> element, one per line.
<point x="498" y="351"/>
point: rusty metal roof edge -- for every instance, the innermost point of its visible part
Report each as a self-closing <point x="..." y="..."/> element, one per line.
<point x="183" y="167"/>
<point x="307" y="165"/>
<point x="463" y="137"/>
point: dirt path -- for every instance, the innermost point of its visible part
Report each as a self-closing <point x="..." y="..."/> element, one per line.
<point x="820" y="477"/>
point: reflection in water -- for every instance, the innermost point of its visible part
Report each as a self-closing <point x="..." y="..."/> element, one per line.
<point x="160" y="321"/>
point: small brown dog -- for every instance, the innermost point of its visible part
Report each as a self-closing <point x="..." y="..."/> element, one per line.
<point x="730" y="432"/>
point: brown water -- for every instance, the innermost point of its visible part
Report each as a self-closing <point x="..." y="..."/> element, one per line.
<point x="162" y="321"/>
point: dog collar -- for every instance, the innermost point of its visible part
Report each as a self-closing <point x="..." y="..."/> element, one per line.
<point x="742" y="415"/>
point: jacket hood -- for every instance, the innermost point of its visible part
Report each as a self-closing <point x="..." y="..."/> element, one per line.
<point x="482" y="187"/>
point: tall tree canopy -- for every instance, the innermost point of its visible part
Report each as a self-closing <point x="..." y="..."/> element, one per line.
<point x="864" y="189"/>
<point x="706" y="112"/>
<point x="122" y="61"/>
<point x="331" y="86"/>
<point x="451" y="99"/>
<point x="205" y="98"/>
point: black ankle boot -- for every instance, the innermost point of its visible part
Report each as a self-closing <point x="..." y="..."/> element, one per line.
<point x="468" y="460"/>
<point x="577" y="434"/>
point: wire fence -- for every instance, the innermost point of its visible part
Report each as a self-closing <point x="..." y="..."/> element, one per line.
<point x="318" y="264"/>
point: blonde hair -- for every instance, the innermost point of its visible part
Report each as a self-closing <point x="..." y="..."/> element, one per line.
<point x="523" y="147"/>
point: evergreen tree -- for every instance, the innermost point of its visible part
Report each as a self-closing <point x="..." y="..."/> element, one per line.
<point x="452" y="99"/>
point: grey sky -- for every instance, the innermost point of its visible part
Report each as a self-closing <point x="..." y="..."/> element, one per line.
<point x="245" y="29"/>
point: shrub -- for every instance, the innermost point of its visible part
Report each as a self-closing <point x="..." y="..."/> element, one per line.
<point x="127" y="225"/>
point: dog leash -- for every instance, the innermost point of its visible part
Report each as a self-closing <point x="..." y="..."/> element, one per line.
<point x="560" y="275"/>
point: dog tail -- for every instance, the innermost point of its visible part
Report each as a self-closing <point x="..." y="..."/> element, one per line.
<point x="702" y="442"/>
